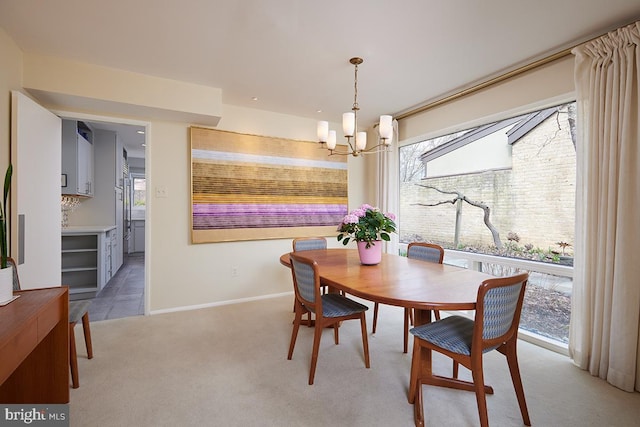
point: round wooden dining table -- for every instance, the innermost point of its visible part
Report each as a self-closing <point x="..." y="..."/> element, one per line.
<point x="404" y="282"/>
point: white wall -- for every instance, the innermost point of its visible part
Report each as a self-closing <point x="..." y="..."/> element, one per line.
<point x="114" y="91"/>
<point x="180" y="274"/>
<point x="541" y="87"/>
<point x="490" y="152"/>
<point x="183" y="274"/>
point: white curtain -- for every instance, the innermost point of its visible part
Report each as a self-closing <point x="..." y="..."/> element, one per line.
<point x="387" y="189"/>
<point x="605" y="322"/>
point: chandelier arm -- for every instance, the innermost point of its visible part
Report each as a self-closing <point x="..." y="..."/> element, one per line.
<point x="348" y="150"/>
<point x="378" y="148"/>
<point x="349" y="142"/>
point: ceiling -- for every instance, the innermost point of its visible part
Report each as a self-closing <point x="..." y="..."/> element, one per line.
<point x="292" y="56"/>
<point x="132" y="137"/>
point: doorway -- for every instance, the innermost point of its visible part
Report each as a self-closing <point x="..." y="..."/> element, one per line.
<point x="123" y="295"/>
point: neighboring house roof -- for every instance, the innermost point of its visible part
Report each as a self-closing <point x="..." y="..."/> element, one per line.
<point x="521" y="126"/>
<point x="528" y="123"/>
<point x="467" y="138"/>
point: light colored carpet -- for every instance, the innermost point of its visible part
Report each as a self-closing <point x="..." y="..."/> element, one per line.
<point x="227" y="366"/>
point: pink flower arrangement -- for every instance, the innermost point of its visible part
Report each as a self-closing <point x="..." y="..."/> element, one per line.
<point x="366" y="224"/>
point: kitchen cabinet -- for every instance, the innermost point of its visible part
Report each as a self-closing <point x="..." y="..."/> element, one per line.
<point x="121" y="169"/>
<point x="138" y="235"/>
<point x="87" y="263"/>
<point x="107" y="204"/>
<point x="77" y="158"/>
<point x="111" y="249"/>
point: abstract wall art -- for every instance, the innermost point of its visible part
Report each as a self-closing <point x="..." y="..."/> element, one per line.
<point x="249" y="187"/>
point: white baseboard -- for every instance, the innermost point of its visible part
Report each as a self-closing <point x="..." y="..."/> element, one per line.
<point x="218" y="303"/>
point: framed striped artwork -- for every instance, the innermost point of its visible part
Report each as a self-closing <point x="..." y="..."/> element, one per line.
<point x="249" y="187"/>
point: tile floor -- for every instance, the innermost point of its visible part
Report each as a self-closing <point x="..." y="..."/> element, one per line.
<point x="123" y="296"/>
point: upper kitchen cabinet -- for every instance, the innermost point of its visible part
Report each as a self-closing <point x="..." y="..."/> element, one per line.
<point x="77" y="158"/>
<point x="109" y="149"/>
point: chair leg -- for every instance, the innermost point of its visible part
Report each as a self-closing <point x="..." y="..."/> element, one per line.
<point x="308" y="313"/>
<point x="512" y="360"/>
<point x="415" y="371"/>
<point x="335" y="333"/>
<point x="407" y="312"/>
<point x="317" y="335"/>
<point x="294" y="333"/>
<point x="73" y="356"/>
<point x="375" y="318"/>
<point x="410" y="315"/>
<point x="87" y="335"/>
<point x="365" y="340"/>
<point x="418" y="411"/>
<point x="478" y="382"/>
<point x="437" y="314"/>
<point x="456" y="365"/>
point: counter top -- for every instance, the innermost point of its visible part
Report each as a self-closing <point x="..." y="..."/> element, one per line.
<point x="78" y="229"/>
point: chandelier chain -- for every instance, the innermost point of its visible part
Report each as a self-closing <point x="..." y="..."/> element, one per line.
<point x="355" y="90"/>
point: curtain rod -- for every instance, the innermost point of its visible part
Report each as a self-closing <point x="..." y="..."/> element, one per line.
<point x="505" y="76"/>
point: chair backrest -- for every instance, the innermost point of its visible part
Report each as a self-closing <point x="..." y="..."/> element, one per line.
<point x="16" y="280"/>
<point x="306" y="281"/>
<point x="425" y="252"/>
<point x="498" y="310"/>
<point x="309" y="243"/>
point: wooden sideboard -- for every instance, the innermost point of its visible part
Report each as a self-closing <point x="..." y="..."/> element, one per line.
<point x="34" y="347"/>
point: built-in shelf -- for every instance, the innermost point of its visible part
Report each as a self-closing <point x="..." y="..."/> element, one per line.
<point x="71" y="270"/>
<point x="86" y="260"/>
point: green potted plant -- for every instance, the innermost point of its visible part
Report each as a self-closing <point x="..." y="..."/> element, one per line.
<point x="6" y="274"/>
<point x="367" y="225"/>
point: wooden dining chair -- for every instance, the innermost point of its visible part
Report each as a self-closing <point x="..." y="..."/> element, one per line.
<point x="308" y="244"/>
<point x="329" y="309"/>
<point x="425" y="252"/>
<point x="495" y="327"/>
<point x="77" y="310"/>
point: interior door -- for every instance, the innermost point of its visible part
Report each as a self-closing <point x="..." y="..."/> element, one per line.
<point x="36" y="155"/>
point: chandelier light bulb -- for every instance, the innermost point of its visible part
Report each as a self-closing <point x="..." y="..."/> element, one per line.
<point x="323" y="131"/>
<point x="361" y="141"/>
<point x="331" y="140"/>
<point x="386" y="127"/>
<point x="348" y="124"/>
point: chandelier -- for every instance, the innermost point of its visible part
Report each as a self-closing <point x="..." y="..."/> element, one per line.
<point x="356" y="141"/>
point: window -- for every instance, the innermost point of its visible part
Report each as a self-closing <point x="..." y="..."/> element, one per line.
<point x="504" y="189"/>
<point x="139" y="192"/>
